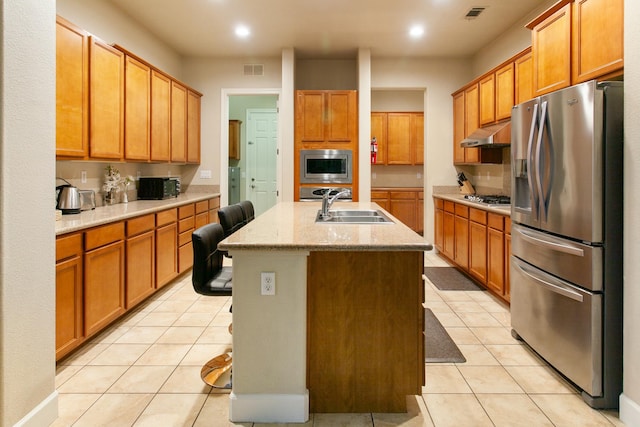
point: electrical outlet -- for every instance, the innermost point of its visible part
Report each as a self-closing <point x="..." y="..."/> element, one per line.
<point x="83" y="177"/>
<point x="268" y="283"/>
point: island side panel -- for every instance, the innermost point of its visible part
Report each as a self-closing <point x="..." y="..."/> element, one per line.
<point x="365" y="341"/>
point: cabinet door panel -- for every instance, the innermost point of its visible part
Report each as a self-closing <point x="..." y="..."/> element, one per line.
<point x="524" y="78"/>
<point x="193" y="127"/>
<point x="471" y="121"/>
<point x="478" y="251"/>
<point x="137" y="135"/>
<point x="458" y="128"/>
<point x="495" y="278"/>
<point x="166" y="254"/>
<point x="310" y="116"/>
<point x="461" y="250"/>
<point x="417" y="137"/>
<point x="106" y="101"/>
<point x="448" y="242"/>
<point x="69" y="311"/>
<point x="504" y="91"/>
<point x="439" y="229"/>
<point x="178" y="122"/>
<point x="103" y="286"/>
<point x="598" y="34"/>
<point x="140" y="268"/>
<point x="160" y="117"/>
<point x="399" y="139"/>
<point x="487" y="87"/>
<point x="339" y="117"/>
<point x="551" y="47"/>
<point x="72" y="90"/>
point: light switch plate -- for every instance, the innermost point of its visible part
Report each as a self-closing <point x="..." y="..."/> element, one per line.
<point x="205" y="174"/>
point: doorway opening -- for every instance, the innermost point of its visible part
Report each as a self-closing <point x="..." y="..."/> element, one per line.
<point x="254" y="172"/>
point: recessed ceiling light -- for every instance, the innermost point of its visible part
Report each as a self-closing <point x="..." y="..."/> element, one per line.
<point x="416" y="31"/>
<point x="243" y="31"/>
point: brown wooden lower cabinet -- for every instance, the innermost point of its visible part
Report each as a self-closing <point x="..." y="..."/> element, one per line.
<point x="365" y="342"/>
<point x="69" y="294"/>
<point x="478" y="241"/>
<point x="186" y="224"/>
<point x="104" y="271"/>
<point x="405" y="204"/>
<point x="103" y="276"/>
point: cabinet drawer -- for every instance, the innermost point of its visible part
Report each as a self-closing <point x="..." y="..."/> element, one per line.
<point x="68" y="246"/>
<point x="496" y="221"/>
<point x="185" y="211"/>
<point x="462" y="210"/>
<point x="439" y="203"/>
<point x="166" y="217"/>
<point x="103" y="235"/>
<point x="449" y="206"/>
<point x="379" y="194"/>
<point x="403" y="195"/>
<point x="140" y="224"/>
<point x="186" y="224"/>
<point x="477" y="215"/>
<point x="184" y="238"/>
<point x="214" y="203"/>
<point x="507" y="224"/>
<point x="202" y="206"/>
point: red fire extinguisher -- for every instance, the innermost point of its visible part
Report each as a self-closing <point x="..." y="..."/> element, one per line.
<point x="374" y="150"/>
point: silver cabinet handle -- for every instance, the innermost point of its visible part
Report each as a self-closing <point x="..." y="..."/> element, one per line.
<point x="556" y="288"/>
<point x="571" y="250"/>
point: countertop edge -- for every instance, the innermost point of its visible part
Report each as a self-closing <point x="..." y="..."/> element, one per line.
<point x="120" y="211"/>
<point x="459" y="198"/>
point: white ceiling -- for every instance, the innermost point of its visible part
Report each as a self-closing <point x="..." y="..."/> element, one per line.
<point x="335" y="28"/>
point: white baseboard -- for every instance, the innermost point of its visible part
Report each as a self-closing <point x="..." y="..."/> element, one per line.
<point x="269" y="408"/>
<point x="629" y="412"/>
<point x="42" y="415"/>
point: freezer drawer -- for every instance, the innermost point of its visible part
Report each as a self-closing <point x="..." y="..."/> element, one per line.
<point x="560" y="322"/>
<point x="575" y="262"/>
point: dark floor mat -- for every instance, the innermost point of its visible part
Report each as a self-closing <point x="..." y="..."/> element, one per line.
<point x="450" y="279"/>
<point x="438" y="345"/>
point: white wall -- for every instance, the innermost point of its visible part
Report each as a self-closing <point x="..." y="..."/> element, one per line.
<point x="630" y="400"/>
<point x="438" y="78"/>
<point x="27" y="248"/>
<point x="107" y="22"/>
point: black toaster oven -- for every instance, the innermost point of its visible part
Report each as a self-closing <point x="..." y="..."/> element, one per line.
<point x="157" y="188"/>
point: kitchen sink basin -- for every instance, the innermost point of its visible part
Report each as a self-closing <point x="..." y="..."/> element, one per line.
<point x="355" y="217"/>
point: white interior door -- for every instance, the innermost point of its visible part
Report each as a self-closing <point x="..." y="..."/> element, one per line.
<point x="262" y="155"/>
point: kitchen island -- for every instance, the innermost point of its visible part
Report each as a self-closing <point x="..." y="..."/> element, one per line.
<point x="344" y="330"/>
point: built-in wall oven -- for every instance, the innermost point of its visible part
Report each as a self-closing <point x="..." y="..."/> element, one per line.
<point x="326" y="167"/>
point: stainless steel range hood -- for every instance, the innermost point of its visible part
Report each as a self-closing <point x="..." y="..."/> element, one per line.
<point x="494" y="136"/>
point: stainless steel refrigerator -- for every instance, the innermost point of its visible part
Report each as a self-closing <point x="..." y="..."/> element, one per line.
<point x="566" y="209"/>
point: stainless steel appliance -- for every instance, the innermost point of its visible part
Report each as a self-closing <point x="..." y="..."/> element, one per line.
<point x="67" y="198"/>
<point x="326" y="167"/>
<point x="489" y="199"/>
<point x="566" y="209"/>
<point x="87" y="200"/>
<point x="314" y="194"/>
<point x="158" y="188"/>
<point x="234" y="184"/>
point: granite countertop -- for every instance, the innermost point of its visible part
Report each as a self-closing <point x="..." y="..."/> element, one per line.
<point x="292" y="226"/>
<point x="459" y="198"/>
<point x="107" y="214"/>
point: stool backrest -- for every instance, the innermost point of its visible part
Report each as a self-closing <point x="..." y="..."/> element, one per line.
<point x="207" y="259"/>
<point x="231" y="219"/>
<point x="248" y="212"/>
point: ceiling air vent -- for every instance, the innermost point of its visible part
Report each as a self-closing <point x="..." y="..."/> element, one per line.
<point x="474" y="12"/>
<point x="253" y="70"/>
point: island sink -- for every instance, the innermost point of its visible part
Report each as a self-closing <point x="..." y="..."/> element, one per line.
<point x="367" y="216"/>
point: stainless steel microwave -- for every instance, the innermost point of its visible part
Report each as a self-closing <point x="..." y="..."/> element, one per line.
<point x="326" y="166"/>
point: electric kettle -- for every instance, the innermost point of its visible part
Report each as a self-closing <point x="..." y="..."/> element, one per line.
<point x="67" y="199"/>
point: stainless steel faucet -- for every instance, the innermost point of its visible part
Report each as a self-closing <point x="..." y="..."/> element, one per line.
<point x="327" y="202"/>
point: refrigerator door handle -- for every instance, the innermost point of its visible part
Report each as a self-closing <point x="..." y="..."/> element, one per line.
<point x="557" y="288"/>
<point x="559" y="247"/>
<point x="543" y="204"/>
<point x="532" y="131"/>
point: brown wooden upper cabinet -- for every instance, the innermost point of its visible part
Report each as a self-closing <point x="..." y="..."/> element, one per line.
<point x="234" y="139"/>
<point x="575" y="41"/>
<point x="400" y="137"/>
<point x="178" y="122"/>
<point x="72" y="90"/>
<point x="327" y="118"/>
<point x="137" y="136"/>
<point x="523" y="66"/>
<point x="160" y="117"/>
<point x="193" y="126"/>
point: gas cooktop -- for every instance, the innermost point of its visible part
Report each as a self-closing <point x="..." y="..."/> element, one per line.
<point x="490" y="199"/>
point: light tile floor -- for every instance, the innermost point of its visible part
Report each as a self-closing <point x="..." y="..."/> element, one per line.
<point x="145" y="371"/>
